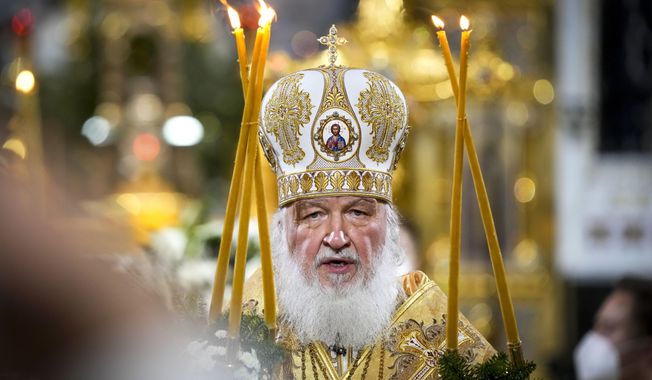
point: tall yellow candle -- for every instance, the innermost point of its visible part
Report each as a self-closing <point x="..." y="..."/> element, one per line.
<point x="241" y="48"/>
<point x="236" y="182"/>
<point x="456" y="200"/>
<point x="243" y="231"/>
<point x="446" y="52"/>
<point x="254" y="93"/>
<point x="269" y="294"/>
<point x="265" y="23"/>
<point x="234" y="193"/>
<point x="504" y="298"/>
<point x="224" y="252"/>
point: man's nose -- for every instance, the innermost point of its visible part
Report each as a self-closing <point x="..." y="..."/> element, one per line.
<point x="337" y="238"/>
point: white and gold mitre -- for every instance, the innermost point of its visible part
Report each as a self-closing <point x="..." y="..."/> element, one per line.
<point x="333" y="131"/>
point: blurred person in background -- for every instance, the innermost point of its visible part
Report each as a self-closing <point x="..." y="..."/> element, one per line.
<point x="65" y="313"/>
<point x="620" y="344"/>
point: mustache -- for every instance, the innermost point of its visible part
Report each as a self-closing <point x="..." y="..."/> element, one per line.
<point x="327" y="254"/>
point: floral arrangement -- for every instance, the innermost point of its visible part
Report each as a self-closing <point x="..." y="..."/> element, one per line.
<point x="257" y="356"/>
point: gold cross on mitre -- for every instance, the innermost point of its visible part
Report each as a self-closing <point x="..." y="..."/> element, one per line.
<point x="332" y="41"/>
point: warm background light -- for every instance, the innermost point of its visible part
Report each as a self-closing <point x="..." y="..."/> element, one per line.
<point x="146" y="147"/>
<point x="543" y="91"/>
<point x="25" y="81"/>
<point x="17" y="146"/>
<point x="524" y="189"/>
<point x="183" y="131"/>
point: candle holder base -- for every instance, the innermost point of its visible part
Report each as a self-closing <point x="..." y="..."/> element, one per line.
<point x="515" y="352"/>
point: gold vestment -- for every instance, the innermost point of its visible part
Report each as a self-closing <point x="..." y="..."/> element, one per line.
<point x="410" y="348"/>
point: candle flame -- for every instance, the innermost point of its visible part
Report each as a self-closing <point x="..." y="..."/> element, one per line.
<point x="439" y="24"/>
<point x="267" y="14"/>
<point x="234" y="18"/>
<point x="464" y="23"/>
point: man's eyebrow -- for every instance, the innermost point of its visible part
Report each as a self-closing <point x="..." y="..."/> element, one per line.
<point x="363" y="202"/>
<point x="308" y="203"/>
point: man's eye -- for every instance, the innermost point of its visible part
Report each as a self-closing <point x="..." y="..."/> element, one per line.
<point x="358" y="212"/>
<point x="313" y="215"/>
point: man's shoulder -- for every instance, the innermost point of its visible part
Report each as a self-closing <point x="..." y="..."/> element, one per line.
<point x="422" y="314"/>
<point x="412" y="281"/>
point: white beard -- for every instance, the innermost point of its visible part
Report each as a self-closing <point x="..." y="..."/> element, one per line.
<point x="354" y="315"/>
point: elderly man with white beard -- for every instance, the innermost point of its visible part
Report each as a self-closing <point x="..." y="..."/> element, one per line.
<point x="344" y="313"/>
<point x="342" y="253"/>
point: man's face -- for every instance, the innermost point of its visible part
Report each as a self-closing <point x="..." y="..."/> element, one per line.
<point x="614" y="319"/>
<point x="336" y="238"/>
<point x="335" y="129"/>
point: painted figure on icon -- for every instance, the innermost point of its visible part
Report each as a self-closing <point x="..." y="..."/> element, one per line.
<point x="335" y="142"/>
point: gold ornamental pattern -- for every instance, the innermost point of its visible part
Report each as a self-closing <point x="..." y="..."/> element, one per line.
<point x="268" y="150"/>
<point x="334" y="95"/>
<point x="334" y="182"/>
<point x="286" y="113"/>
<point x="399" y="148"/>
<point x="383" y="109"/>
<point x="417" y="347"/>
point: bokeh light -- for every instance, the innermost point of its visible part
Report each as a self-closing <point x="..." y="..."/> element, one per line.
<point x="145" y="108"/>
<point x="17" y="146"/>
<point x="304" y="43"/>
<point x="543" y="91"/>
<point x="97" y="130"/>
<point x="183" y="131"/>
<point x="517" y="113"/>
<point x="526" y="254"/>
<point x="21" y="23"/>
<point x="505" y="71"/>
<point x="25" y="81"/>
<point x="146" y="146"/>
<point x="524" y="189"/>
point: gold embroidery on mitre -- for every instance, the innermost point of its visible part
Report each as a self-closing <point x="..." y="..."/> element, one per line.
<point x="381" y="107"/>
<point x="367" y="181"/>
<point x="353" y="180"/>
<point x="286" y="112"/>
<point x="268" y="150"/>
<point x="334" y="98"/>
<point x="334" y="95"/>
<point x="306" y="182"/>
<point x="380" y="184"/>
<point x="337" y="180"/>
<point x="294" y="184"/>
<point x="321" y="181"/>
<point x="399" y="148"/>
<point x="283" y="188"/>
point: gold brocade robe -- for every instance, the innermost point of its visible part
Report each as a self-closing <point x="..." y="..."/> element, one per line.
<point x="414" y="340"/>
